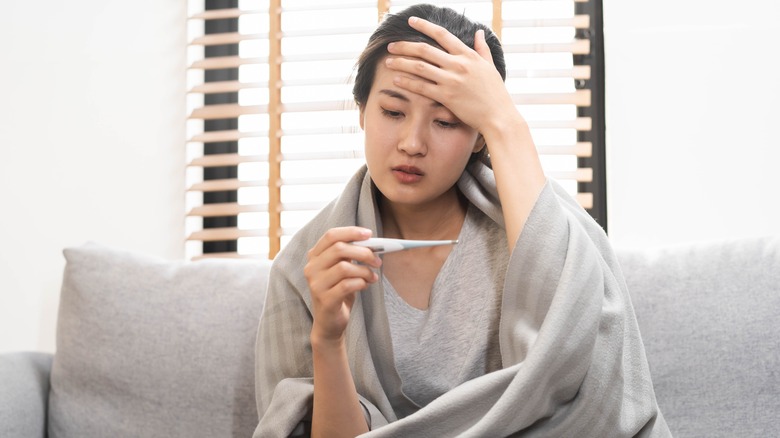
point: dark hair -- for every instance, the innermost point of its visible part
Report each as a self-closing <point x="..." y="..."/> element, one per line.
<point x="395" y="27"/>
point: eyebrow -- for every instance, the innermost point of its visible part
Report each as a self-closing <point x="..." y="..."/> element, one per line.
<point x="400" y="96"/>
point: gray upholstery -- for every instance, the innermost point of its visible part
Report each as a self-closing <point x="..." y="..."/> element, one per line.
<point x="24" y="392"/>
<point x="153" y="348"/>
<point x="709" y="316"/>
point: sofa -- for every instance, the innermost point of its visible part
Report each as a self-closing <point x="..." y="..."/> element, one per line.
<point x="148" y="347"/>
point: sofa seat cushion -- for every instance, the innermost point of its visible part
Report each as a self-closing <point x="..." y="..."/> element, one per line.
<point x="155" y="348"/>
<point x="709" y="314"/>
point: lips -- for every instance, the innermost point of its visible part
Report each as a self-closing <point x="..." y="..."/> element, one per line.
<point x="409" y="169"/>
<point x="408" y="174"/>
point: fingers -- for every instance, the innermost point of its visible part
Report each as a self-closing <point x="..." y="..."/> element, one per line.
<point x="450" y="43"/>
<point x="435" y="73"/>
<point x="342" y="235"/>
<point x="334" y="278"/>
<point x="446" y="40"/>
<point x="330" y="266"/>
<point x="463" y="79"/>
<point x="418" y="85"/>
<point x="481" y="46"/>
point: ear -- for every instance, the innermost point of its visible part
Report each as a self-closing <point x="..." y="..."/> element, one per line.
<point x="479" y="144"/>
<point x="362" y="115"/>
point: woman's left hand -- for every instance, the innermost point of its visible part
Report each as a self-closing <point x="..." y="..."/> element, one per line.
<point x="462" y="79"/>
<point x="467" y="83"/>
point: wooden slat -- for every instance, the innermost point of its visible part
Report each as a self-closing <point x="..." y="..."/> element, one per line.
<point x="577" y="47"/>
<point x="218" y="160"/>
<point x="275" y="126"/>
<point x="304" y="206"/>
<point x="327" y="56"/>
<point x="356" y="30"/>
<point x="498" y="20"/>
<point x="578" y="22"/>
<point x="580" y="98"/>
<point x="214" y="234"/>
<point x="314" y="180"/>
<point x="216" y="39"/>
<point x="414" y="2"/>
<point x="218" y="185"/>
<point x="225" y="87"/>
<point x="580" y="149"/>
<point x="324" y="155"/>
<point x="306" y="107"/>
<point x="233" y="209"/>
<point x="331" y="130"/>
<point x="219" y="14"/>
<point x="226" y="111"/>
<point x="580" y="175"/>
<point x="580" y="124"/>
<point x="382" y="8"/>
<point x="308" y="81"/>
<point x="292" y="6"/>
<point x="585" y="200"/>
<point x="219" y="62"/>
<point x="576" y="72"/>
<point x="225" y="209"/>
<point x="229" y="135"/>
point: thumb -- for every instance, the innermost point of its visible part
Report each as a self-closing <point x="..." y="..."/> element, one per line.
<point x="481" y="46"/>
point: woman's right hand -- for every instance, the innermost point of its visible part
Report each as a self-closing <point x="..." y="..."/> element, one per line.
<point x="334" y="280"/>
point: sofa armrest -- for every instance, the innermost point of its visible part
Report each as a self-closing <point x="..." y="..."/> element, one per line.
<point x="24" y="378"/>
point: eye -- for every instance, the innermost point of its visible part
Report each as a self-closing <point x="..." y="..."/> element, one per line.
<point x="446" y="124"/>
<point x="392" y="114"/>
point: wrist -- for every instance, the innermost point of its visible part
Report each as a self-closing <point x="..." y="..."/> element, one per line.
<point x="322" y="344"/>
<point x="508" y="125"/>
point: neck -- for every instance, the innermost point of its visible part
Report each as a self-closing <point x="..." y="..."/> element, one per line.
<point x="438" y="220"/>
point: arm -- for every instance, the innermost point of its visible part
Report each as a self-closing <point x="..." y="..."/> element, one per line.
<point x="468" y="84"/>
<point x="334" y="281"/>
<point x="337" y="411"/>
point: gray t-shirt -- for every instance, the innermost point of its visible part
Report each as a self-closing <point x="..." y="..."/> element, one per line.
<point x="456" y="338"/>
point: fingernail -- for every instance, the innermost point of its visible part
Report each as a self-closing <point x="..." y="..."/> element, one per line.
<point x="365" y="232"/>
<point x="413" y="20"/>
<point x="390" y="46"/>
<point x="388" y="61"/>
<point x="378" y="260"/>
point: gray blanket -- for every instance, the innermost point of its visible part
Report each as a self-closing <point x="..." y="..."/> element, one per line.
<point x="573" y="360"/>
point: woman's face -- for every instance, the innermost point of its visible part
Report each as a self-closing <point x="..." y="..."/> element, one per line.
<point x="416" y="149"/>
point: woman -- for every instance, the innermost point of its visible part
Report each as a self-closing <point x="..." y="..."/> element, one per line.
<point x="523" y="327"/>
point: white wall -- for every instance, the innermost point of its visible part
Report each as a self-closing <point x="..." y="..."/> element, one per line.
<point x="693" y="109"/>
<point x="92" y="123"/>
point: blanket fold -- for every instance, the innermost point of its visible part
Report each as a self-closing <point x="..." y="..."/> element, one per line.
<point x="573" y="360"/>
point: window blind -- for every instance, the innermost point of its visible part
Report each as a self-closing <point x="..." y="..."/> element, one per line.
<point x="273" y="131"/>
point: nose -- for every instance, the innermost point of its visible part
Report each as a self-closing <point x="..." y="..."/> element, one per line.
<point x="413" y="139"/>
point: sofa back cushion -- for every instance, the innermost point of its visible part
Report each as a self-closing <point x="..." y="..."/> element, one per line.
<point x="709" y="315"/>
<point x="154" y="348"/>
